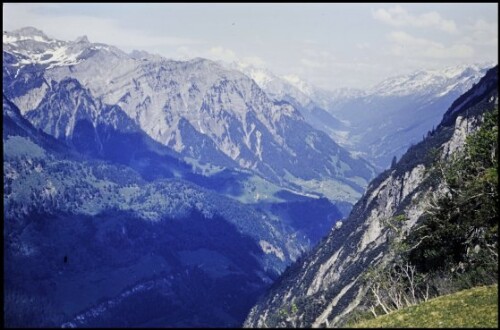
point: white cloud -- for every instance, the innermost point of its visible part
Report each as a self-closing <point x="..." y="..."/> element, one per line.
<point x="343" y="73"/>
<point x="98" y="29"/>
<point x="408" y="45"/>
<point x="223" y="54"/>
<point x="368" y="55"/>
<point x="482" y="33"/>
<point x="312" y="64"/>
<point x="183" y="53"/>
<point x="398" y="16"/>
<point x="363" y="45"/>
<point x="317" y="54"/>
<point x="228" y="55"/>
<point x="316" y="59"/>
<point x="254" y="61"/>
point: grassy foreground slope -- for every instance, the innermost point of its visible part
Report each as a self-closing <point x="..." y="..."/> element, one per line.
<point x="473" y="308"/>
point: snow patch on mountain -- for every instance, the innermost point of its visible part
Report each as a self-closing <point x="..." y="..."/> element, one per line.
<point x="436" y="82"/>
<point x="33" y="47"/>
<point x="278" y="88"/>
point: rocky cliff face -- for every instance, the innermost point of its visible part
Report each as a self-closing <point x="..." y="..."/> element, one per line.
<point x="296" y="92"/>
<point x="323" y="287"/>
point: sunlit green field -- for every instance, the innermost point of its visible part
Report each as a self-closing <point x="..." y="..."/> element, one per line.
<point x="474" y="308"/>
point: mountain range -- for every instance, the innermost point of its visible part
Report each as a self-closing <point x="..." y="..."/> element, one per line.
<point x="204" y="112"/>
<point x="143" y="191"/>
<point x="130" y="187"/>
<point x="383" y="121"/>
<point x="328" y="285"/>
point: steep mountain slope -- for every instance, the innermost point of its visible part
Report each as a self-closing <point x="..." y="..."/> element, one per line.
<point x="192" y="257"/>
<point x="327" y="284"/>
<point x="204" y="112"/>
<point x="295" y="92"/>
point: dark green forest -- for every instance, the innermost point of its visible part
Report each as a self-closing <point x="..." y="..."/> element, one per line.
<point x="459" y="233"/>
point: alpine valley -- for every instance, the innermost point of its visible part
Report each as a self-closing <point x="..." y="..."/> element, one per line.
<point x="379" y="123"/>
<point x="426" y="227"/>
<point x="141" y="191"/>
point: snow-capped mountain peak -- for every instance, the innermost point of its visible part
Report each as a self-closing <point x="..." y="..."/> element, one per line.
<point x="144" y="55"/>
<point x="261" y="76"/>
<point x="26" y="33"/>
<point x="431" y="82"/>
<point x="82" y="40"/>
<point x="278" y="88"/>
<point x="32" y="47"/>
<point x="303" y="86"/>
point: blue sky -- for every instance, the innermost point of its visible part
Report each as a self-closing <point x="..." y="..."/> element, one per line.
<point x="330" y="45"/>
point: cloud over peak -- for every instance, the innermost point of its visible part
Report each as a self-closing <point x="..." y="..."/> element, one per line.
<point x="407" y="45"/>
<point x="398" y="16"/>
